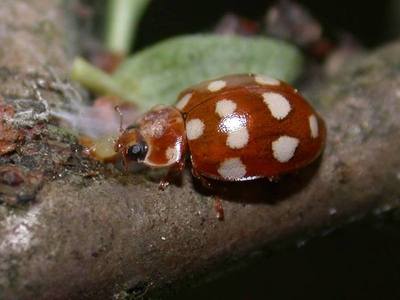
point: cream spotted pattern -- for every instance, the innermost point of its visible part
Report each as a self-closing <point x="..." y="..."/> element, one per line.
<point x="232" y="124"/>
<point x="238" y="139"/>
<point x="194" y="129"/>
<point x="284" y="147"/>
<point x="216" y="85"/>
<point x="184" y="101"/>
<point x="232" y="169"/>
<point x="225" y="107"/>
<point x="278" y="105"/>
<point x="172" y="154"/>
<point x="266" y="80"/>
<point x="313" y="122"/>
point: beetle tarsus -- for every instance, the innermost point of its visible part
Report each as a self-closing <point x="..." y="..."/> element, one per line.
<point x="163" y="184"/>
<point x="174" y="173"/>
<point x="219" y="209"/>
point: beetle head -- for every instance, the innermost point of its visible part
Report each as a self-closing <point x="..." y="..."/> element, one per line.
<point x="131" y="145"/>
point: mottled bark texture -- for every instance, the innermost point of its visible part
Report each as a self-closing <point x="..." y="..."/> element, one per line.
<point x="71" y="229"/>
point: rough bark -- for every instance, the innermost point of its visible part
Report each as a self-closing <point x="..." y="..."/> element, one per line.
<point x="77" y="230"/>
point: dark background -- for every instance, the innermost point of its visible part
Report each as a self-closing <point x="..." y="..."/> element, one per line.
<point x="359" y="261"/>
<point x="370" y="21"/>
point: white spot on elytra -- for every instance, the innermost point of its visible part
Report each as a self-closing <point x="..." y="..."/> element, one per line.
<point x="284" y="147"/>
<point x="313" y="122"/>
<point x="217" y="85"/>
<point x="238" y="139"/>
<point x="232" y="169"/>
<point x="278" y="105"/>
<point x="225" y="107"/>
<point x="266" y="80"/>
<point x="194" y="129"/>
<point x="183" y="101"/>
<point x="232" y="123"/>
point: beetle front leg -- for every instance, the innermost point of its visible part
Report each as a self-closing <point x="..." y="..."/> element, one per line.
<point x="174" y="171"/>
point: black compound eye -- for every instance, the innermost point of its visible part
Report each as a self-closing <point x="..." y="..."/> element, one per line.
<point x="137" y="151"/>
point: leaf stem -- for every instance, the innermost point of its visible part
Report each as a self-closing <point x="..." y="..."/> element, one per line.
<point x="122" y="22"/>
<point x="95" y="79"/>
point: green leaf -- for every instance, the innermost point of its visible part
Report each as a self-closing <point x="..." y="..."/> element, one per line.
<point x="157" y="74"/>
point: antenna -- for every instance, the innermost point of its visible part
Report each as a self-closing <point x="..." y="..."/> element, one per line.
<point x="121" y="118"/>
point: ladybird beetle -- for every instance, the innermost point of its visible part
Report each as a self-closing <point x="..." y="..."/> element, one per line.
<point x="234" y="128"/>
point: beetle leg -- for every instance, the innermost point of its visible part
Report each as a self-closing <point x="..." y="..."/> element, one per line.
<point x="204" y="181"/>
<point x="173" y="172"/>
<point x="219" y="209"/>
